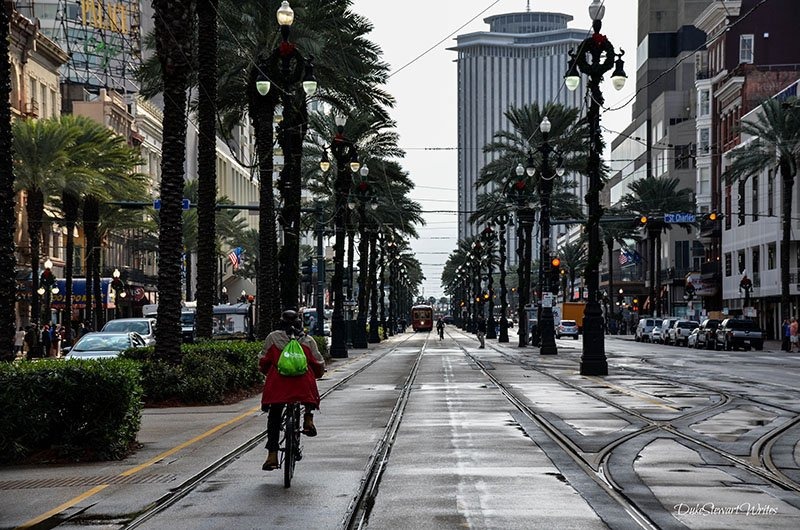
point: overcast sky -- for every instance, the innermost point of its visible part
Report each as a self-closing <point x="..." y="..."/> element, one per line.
<point x="426" y="94"/>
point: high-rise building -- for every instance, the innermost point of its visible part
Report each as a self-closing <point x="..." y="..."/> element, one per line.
<point x="520" y="60"/>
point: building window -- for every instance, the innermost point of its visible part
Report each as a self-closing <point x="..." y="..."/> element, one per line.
<point x="728" y="264"/>
<point x="756" y="260"/>
<point x="746" y="49"/>
<point x="740" y="203"/>
<point x="704" y="181"/>
<point x="704" y="142"/>
<point x="704" y="105"/>
<point x="771" y="193"/>
<point x="740" y="265"/>
<point x="755" y="198"/>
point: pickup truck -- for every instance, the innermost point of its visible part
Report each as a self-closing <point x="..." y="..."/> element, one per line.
<point x="735" y="333"/>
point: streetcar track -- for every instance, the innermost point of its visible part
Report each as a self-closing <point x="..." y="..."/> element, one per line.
<point x="180" y="491"/>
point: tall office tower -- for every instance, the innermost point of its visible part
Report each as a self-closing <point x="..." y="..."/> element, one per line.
<point x="520" y="60"/>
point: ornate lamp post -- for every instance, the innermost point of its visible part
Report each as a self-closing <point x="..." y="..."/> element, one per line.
<point x="520" y="192"/>
<point x="359" y="197"/>
<point x="475" y="259"/>
<point x="392" y="247"/>
<point x="118" y="287"/>
<point x="594" y="58"/>
<point x="488" y="240"/>
<point x="346" y="156"/>
<point x="546" y="322"/>
<point x="47" y="288"/>
<point x="502" y="221"/>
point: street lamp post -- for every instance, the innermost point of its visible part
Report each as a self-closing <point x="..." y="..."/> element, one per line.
<point x="502" y="221"/>
<point x="546" y="324"/>
<point x="477" y="255"/>
<point x="47" y="287"/>
<point x="488" y="238"/>
<point x="595" y="57"/>
<point x="520" y="191"/>
<point x="346" y="156"/>
<point x="359" y="197"/>
<point x="119" y="292"/>
<point x="392" y="257"/>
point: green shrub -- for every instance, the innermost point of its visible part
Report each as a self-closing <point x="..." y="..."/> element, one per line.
<point x="209" y="370"/>
<point x="76" y="409"/>
<point x="322" y="345"/>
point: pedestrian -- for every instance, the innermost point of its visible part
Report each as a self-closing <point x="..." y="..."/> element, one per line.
<point x="45" y="341"/>
<point x="30" y="342"/>
<point x="19" y="341"/>
<point x="785" y="335"/>
<point x="55" y="339"/>
<point x="793" y="336"/>
<point x="480" y="329"/>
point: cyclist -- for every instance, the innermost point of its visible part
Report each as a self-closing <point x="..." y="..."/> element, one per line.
<point x="280" y="390"/>
<point x="440" y="328"/>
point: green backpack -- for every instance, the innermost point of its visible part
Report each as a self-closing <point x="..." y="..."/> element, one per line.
<point x="293" y="361"/>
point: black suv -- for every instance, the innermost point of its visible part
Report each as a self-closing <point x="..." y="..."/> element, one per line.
<point x="735" y="333"/>
<point x="707" y="333"/>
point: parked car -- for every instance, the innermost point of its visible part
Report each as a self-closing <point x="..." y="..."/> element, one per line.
<point x="567" y="328"/>
<point x="679" y="332"/>
<point x="188" y="329"/>
<point x="735" y="333"/>
<point x="145" y="327"/>
<point x="655" y="334"/>
<point x="707" y="333"/>
<point x="666" y="325"/>
<point x="691" y="340"/>
<point x="104" y="345"/>
<point x="643" y="329"/>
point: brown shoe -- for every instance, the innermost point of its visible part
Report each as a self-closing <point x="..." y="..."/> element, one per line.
<point x="271" y="462"/>
<point x="308" y="425"/>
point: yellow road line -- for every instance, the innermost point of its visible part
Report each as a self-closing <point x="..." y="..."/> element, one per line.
<point x="85" y="495"/>
<point x="634" y="393"/>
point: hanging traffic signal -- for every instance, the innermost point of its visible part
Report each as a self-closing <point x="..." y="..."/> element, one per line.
<point x="555" y="263"/>
<point x="643" y="220"/>
<point x="713" y="216"/>
<point x="307" y="271"/>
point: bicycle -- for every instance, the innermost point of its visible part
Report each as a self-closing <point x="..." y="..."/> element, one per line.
<point x="291" y="450"/>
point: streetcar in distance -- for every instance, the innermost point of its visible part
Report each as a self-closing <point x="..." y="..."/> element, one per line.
<point x="422" y="318"/>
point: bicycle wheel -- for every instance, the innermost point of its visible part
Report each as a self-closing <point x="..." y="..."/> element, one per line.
<point x="289" y="445"/>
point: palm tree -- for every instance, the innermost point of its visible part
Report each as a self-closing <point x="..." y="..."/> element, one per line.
<point x="573" y="259"/>
<point x="41" y="160"/>
<point x="173" y="35"/>
<point x="776" y="143"/>
<point x="652" y="197"/>
<point x="8" y="261"/>
<point x="206" y="164"/>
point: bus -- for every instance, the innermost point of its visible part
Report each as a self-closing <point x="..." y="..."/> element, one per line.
<point x="422" y="317"/>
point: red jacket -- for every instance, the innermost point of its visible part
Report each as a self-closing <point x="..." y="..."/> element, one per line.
<point x="283" y="389"/>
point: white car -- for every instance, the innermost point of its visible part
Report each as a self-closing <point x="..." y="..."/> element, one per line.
<point x="691" y="340"/>
<point x="145" y="327"/>
<point x="679" y="332"/>
<point x="655" y="333"/>
<point x="104" y="345"/>
<point x="567" y="328"/>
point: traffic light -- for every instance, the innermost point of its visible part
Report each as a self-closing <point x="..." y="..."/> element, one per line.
<point x="307" y="271"/>
<point x="642" y="221"/>
<point x="555" y="263"/>
<point x="713" y="217"/>
<point x="689" y="292"/>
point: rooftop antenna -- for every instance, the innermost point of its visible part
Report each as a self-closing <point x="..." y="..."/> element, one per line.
<point x="528" y="9"/>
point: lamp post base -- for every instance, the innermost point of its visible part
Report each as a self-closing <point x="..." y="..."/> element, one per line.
<point x="547" y="331"/>
<point x="338" y="344"/>
<point x="593" y="360"/>
<point x="503" y="337"/>
<point x="491" y="325"/>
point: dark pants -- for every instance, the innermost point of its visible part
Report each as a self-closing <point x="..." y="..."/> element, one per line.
<point x="785" y="344"/>
<point x="274" y="426"/>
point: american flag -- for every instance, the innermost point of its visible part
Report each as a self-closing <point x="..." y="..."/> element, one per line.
<point x="235" y="257"/>
<point x="624" y="257"/>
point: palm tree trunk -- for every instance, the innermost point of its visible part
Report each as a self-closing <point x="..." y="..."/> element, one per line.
<point x="97" y="288"/>
<point x="262" y="113"/>
<point x="8" y="262"/>
<point x="294" y="126"/>
<point x="374" y="337"/>
<point x="173" y="29"/>
<point x="35" y="208"/>
<point x="651" y="243"/>
<point x="382" y="286"/>
<point x="206" y="166"/>
<point x="503" y="291"/>
<point x="360" y="338"/>
<point x="611" y="294"/>
<point x="786" y="236"/>
<point x="71" y="204"/>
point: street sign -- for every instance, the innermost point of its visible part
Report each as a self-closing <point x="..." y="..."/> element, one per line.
<point x="185" y="204"/>
<point x="547" y="300"/>
<point x="679" y="218"/>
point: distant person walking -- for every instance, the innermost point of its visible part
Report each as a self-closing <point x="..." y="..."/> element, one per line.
<point x="480" y="328"/>
<point x="786" y="333"/>
<point x="19" y="341"/>
<point x="793" y="337"/>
